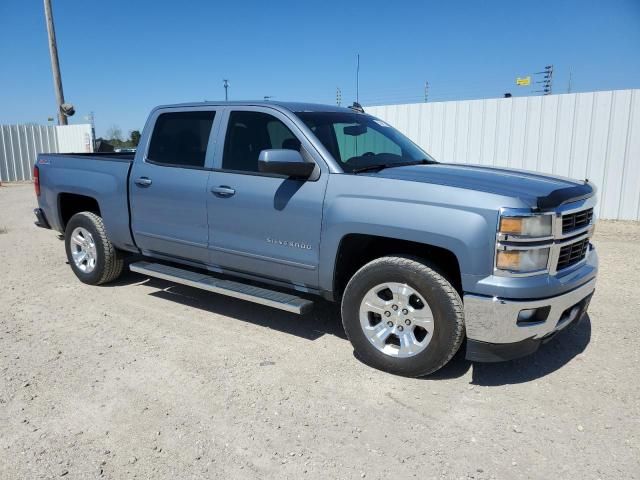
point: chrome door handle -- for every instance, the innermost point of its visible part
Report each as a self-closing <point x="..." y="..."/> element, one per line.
<point x="143" y="181"/>
<point x="223" y="191"/>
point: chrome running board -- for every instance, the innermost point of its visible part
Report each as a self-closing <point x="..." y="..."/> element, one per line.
<point x="242" y="291"/>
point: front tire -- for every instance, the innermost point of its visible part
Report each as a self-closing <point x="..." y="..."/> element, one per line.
<point x="402" y="316"/>
<point x="92" y="256"/>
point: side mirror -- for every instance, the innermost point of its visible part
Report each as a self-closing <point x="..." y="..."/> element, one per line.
<point x="285" y="162"/>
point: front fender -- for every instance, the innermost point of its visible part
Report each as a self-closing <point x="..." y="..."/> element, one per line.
<point x="416" y="212"/>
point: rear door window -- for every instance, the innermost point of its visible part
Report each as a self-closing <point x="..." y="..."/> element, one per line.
<point x="180" y="139"/>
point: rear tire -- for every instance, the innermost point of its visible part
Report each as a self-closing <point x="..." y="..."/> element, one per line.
<point x="402" y="316"/>
<point x="92" y="256"/>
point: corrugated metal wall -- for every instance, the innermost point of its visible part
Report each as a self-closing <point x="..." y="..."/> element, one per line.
<point x="20" y="145"/>
<point x="593" y="135"/>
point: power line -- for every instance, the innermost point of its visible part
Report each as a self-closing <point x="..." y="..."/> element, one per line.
<point x="401" y="95"/>
<point x="416" y="95"/>
<point x="441" y="95"/>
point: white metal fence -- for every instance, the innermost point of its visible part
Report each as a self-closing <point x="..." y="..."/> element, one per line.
<point x="20" y="145"/>
<point x="593" y="135"/>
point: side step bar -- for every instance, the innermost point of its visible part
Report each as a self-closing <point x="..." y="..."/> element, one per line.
<point x="270" y="298"/>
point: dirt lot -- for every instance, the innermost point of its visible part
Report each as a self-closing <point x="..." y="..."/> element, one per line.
<point x="143" y="379"/>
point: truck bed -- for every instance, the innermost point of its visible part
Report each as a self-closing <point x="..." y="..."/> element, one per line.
<point x="111" y="156"/>
<point x="70" y="177"/>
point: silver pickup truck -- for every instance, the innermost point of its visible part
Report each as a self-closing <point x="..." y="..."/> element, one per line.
<point x="278" y="203"/>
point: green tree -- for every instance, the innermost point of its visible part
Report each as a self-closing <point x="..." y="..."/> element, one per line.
<point x="134" y="137"/>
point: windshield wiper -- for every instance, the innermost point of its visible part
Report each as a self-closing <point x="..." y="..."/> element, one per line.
<point x="382" y="166"/>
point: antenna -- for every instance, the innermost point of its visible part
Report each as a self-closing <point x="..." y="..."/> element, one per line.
<point x="226" y="89"/>
<point x="358" y="79"/>
<point x="338" y="96"/>
<point x="426" y="91"/>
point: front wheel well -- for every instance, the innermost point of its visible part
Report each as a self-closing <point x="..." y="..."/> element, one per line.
<point x="357" y="250"/>
<point x="71" y="203"/>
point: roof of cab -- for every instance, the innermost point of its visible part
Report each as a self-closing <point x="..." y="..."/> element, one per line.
<point x="291" y="106"/>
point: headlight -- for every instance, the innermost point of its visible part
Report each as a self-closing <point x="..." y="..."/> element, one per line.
<point x="534" y="226"/>
<point x="522" y="261"/>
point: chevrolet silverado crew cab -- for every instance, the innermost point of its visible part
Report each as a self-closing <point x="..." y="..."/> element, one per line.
<point x="279" y="203"/>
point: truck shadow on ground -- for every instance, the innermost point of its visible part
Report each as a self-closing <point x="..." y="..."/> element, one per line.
<point x="551" y="356"/>
<point x="325" y="319"/>
<point x="320" y="321"/>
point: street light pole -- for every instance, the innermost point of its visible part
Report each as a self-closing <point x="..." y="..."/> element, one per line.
<point x="226" y="90"/>
<point x="55" y="64"/>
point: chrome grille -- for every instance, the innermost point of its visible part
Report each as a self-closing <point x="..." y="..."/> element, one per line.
<point x="572" y="253"/>
<point x="577" y="220"/>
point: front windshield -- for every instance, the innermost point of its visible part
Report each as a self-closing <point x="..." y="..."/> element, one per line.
<point x="358" y="141"/>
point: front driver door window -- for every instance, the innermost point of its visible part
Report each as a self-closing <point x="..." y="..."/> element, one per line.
<point x="248" y="133"/>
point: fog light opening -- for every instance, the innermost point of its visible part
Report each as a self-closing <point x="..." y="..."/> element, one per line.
<point x="533" y="316"/>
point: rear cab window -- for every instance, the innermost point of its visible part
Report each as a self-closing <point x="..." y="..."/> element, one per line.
<point x="180" y="139"/>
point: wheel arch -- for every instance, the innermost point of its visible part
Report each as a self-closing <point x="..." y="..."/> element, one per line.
<point x="71" y="203"/>
<point x="356" y="250"/>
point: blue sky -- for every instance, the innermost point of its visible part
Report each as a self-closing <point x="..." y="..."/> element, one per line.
<point x="120" y="58"/>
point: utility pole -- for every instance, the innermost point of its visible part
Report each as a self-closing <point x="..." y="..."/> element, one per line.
<point x="426" y="91"/>
<point x="55" y="64"/>
<point x="569" y="86"/>
<point x="226" y="90"/>
<point x="92" y="120"/>
<point x="338" y="96"/>
<point x="547" y="80"/>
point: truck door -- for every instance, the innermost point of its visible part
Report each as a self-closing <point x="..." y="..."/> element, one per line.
<point x="168" y="185"/>
<point x="264" y="224"/>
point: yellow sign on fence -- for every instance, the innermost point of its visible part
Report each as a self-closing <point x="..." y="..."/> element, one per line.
<point x="524" y="81"/>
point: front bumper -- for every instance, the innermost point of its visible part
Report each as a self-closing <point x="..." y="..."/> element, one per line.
<point x="497" y="330"/>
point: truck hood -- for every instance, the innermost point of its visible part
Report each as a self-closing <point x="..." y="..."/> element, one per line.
<point x="534" y="189"/>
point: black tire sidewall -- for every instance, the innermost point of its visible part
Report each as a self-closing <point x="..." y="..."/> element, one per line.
<point x="444" y="314"/>
<point x="86" y="222"/>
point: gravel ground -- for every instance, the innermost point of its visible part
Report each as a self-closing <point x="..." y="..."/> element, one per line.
<point x="143" y="379"/>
